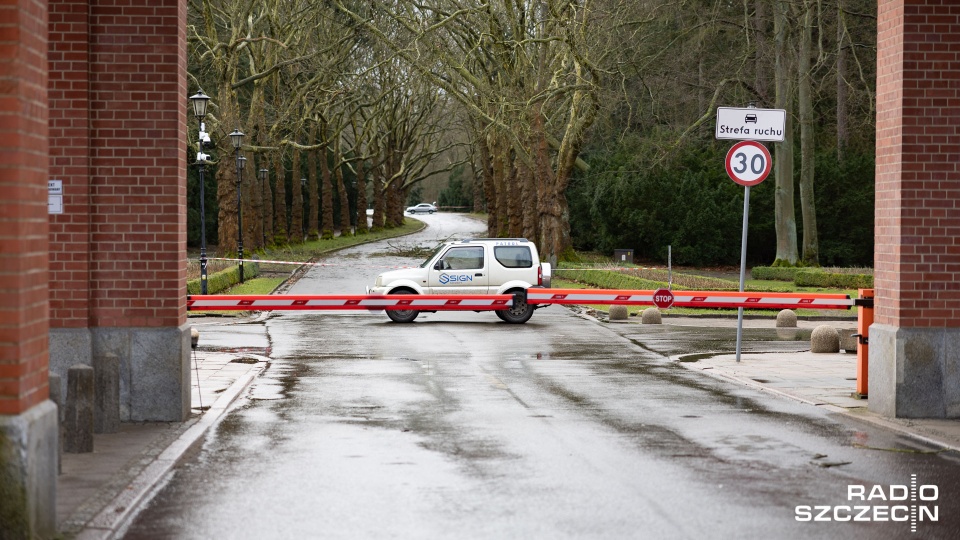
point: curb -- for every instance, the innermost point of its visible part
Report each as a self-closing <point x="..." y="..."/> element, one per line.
<point x="117" y="516"/>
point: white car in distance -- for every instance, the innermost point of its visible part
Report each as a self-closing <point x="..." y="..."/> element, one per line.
<point x="422" y="207"/>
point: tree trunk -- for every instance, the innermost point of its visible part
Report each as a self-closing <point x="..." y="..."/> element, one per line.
<point x="489" y="185"/>
<point x="362" y="227"/>
<point x="226" y="177"/>
<point x="549" y="208"/>
<point x="394" y="200"/>
<point x="761" y="45"/>
<point x="785" y="216"/>
<point x="515" y="201"/>
<point x="326" y="195"/>
<point x="280" y="202"/>
<point x="379" y="202"/>
<point x="313" y="208"/>
<point x="501" y="166"/>
<point x="843" y="135"/>
<point x="807" y="140"/>
<point x="476" y="180"/>
<point x="296" y="201"/>
<point x="267" y="207"/>
<point x="341" y="192"/>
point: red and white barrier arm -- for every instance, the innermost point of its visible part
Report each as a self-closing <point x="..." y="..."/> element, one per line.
<point x="693" y="299"/>
<point x="431" y="302"/>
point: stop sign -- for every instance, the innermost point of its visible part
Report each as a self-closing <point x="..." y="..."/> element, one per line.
<point x="663" y="298"/>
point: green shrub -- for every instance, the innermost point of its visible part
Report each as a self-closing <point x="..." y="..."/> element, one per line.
<point x="777" y="273"/>
<point x="224" y="279"/>
<point x="832" y="280"/>
<point x="606" y="279"/>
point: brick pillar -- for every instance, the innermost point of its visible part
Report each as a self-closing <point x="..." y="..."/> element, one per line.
<point x="28" y="420"/>
<point x="915" y="341"/>
<point x="118" y="136"/>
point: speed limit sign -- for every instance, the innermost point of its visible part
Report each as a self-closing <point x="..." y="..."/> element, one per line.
<point x="748" y="163"/>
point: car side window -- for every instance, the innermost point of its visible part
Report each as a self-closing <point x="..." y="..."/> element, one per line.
<point x="463" y="258"/>
<point x="513" y="256"/>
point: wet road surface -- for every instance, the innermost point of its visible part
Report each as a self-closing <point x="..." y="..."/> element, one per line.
<point x="462" y="426"/>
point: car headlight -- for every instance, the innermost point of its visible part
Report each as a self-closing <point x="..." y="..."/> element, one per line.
<point x="379" y="282"/>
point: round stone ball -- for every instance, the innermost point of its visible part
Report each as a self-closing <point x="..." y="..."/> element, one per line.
<point x="618" y="313"/>
<point x="825" y="339"/>
<point x="786" y="319"/>
<point x="650" y="316"/>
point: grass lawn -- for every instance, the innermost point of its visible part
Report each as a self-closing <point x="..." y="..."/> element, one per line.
<point x="272" y="275"/>
<point x="772" y="313"/>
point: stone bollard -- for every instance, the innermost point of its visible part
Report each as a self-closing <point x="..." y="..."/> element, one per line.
<point x="650" y="316"/>
<point x="786" y="319"/>
<point x="618" y="313"/>
<point x="78" y="417"/>
<point x="194" y="337"/>
<point x="847" y="342"/>
<point x="824" y="339"/>
<point x="106" y="418"/>
<point x="56" y="396"/>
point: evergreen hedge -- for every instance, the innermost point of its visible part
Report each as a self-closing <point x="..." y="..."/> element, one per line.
<point x="813" y="277"/>
<point x="224" y="279"/>
<point x="818" y="278"/>
<point x="606" y="279"/>
<point x="775" y="273"/>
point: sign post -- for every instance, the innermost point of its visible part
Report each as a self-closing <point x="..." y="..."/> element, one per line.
<point x="748" y="163"/>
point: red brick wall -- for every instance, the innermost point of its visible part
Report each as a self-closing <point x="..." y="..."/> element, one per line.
<point x="918" y="176"/>
<point x="118" y="122"/>
<point x="23" y="206"/>
<point x="70" y="162"/>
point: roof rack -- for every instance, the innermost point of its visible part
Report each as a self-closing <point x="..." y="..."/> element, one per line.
<point x="494" y="239"/>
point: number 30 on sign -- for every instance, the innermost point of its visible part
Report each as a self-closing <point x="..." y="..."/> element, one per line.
<point x="748" y="163"/>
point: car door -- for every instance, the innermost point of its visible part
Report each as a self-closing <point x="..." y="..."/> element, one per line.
<point x="460" y="270"/>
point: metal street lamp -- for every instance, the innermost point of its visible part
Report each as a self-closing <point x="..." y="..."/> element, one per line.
<point x="237" y="139"/>
<point x="199" y="101"/>
<point x="263" y="181"/>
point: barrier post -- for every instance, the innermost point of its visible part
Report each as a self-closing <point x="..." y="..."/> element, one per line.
<point x="864" y="320"/>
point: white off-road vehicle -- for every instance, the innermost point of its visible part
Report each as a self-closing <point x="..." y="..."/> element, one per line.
<point x="474" y="266"/>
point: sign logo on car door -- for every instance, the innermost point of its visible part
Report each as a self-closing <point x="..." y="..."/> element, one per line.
<point x="454" y="278"/>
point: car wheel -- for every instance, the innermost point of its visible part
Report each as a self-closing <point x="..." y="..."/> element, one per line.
<point x="519" y="313"/>
<point x="430" y="212"/>
<point x="402" y="315"/>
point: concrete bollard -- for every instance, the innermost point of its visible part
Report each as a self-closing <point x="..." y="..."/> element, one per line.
<point x="824" y="339"/>
<point x="618" y="313"/>
<point x="650" y="316"/>
<point x="106" y="418"/>
<point x="56" y="396"/>
<point x="194" y="337"/>
<point x="787" y="318"/>
<point x="78" y="417"/>
<point x="847" y="342"/>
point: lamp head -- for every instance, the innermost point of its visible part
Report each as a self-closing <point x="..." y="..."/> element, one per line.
<point x="199" y="101"/>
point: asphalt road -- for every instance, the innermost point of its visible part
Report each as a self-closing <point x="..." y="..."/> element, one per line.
<point x="461" y="426"/>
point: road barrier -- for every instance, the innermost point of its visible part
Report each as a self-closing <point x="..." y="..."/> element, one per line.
<point x="284" y="302"/>
<point x="485" y="302"/>
<point x="693" y="299"/>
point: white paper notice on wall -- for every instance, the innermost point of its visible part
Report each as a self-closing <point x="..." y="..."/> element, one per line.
<point x="54" y="196"/>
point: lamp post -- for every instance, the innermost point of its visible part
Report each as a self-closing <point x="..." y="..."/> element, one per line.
<point x="237" y="138"/>
<point x="199" y="101"/>
<point x="263" y="181"/>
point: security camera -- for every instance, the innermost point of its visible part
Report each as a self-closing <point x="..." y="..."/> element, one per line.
<point x="204" y="137"/>
<point x="202" y="158"/>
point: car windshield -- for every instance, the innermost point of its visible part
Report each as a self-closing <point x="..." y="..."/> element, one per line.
<point x="432" y="255"/>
